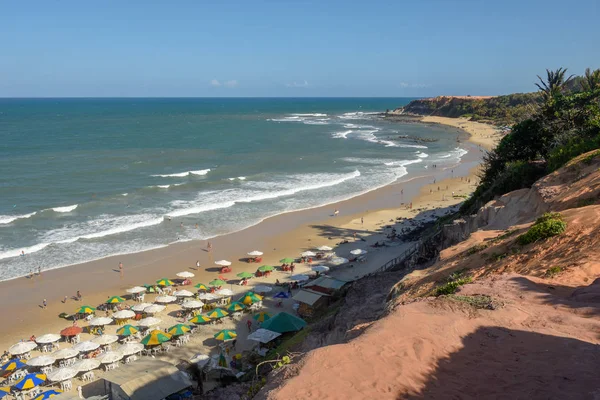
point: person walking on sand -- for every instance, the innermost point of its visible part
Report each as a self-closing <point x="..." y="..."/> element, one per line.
<point x="44" y="304"/>
<point x="249" y="325"/>
<point x="40" y="271"/>
<point x="65" y="299"/>
<point x="209" y="247"/>
<point x="197" y="264"/>
<point x="121" y="268"/>
<point x="362" y="221"/>
<point x="336" y="213"/>
<point x="79" y="296"/>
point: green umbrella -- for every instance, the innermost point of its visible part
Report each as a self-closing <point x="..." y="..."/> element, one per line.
<point x="149" y="288"/>
<point x="217" y="282"/>
<point x="265" y="268"/>
<point x="287" y="260"/>
<point x="225" y="334"/>
<point x="115" y="300"/>
<point x="179" y="329"/>
<point x="127" y="330"/>
<point x="155" y="337"/>
<point x="164" y="282"/>
<point x="217" y="313"/>
<point x="200" y="319"/>
<point x="245" y="275"/>
<point x="200" y="286"/>
<point x="250" y="298"/>
<point x="236" y="306"/>
<point x="85" y="310"/>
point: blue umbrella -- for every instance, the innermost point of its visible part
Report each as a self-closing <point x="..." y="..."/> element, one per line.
<point x="47" y="395"/>
<point x="30" y="381"/>
<point x="13" y="365"/>
<point x="281" y="295"/>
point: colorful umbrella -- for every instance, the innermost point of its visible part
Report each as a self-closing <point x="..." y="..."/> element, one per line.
<point x="179" y="329"/>
<point x="245" y="275"/>
<point x="13" y="365"/>
<point x="217" y="313"/>
<point x="200" y="319"/>
<point x="48" y="394"/>
<point x="217" y="282"/>
<point x="85" y="310"/>
<point x="236" y="306"/>
<point x="225" y="334"/>
<point x="149" y="288"/>
<point x="115" y="300"/>
<point x="287" y="260"/>
<point x="156" y="337"/>
<point x="262" y="316"/>
<point x="71" y="331"/>
<point x="250" y="298"/>
<point x="164" y="282"/>
<point x="30" y="381"/>
<point x="265" y="268"/>
<point x="4" y="391"/>
<point x="127" y="330"/>
<point x="281" y="295"/>
<point x="201" y="286"/>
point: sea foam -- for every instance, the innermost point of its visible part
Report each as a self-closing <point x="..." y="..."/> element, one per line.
<point x="182" y="174"/>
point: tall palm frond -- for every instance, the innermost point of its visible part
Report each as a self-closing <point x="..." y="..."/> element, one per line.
<point x="590" y="80"/>
<point x="554" y="83"/>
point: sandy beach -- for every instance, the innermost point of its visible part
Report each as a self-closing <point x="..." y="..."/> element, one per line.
<point x="285" y="235"/>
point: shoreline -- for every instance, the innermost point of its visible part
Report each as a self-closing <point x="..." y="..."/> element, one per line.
<point x="279" y="236"/>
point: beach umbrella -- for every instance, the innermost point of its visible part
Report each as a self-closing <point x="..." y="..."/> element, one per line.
<point x="62" y="374"/>
<point x="338" y="260"/>
<point x="110" y="357"/>
<point x="320" y="268"/>
<point x="22" y="348"/>
<point x="201" y="286"/>
<point x="185" y="274"/>
<point x="136" y="290"/>
<point x="192" y="304"/>
<point x="262" y="289"/>
<point x="217" y="313"/>
<point x="223" y="263"/>
<point x="105" y="339"/>
<point x="141" y="307"/>
<point x="308" y="254"/>
<point x="124" y="314"/>
<point x="149" y="321"/>
<point x="154" y="308"/>
<point x="130" y="348"/>
<point x="299" y="277"/>
<point x="250" y="298"/>
<point x="87" y="364"/>
<point x="48" y="394"/>
<point x="41" y="361"/>
<point x="217" y="282"/>
<point x="165" y="299"/>
<point x="67" y="352"/>
<point x="265" y="268"/>
<point x="85" y="310"/>
<point x="200" y="319"/>
<point x="179" y="329"/>
<point x="235" y="306"/>
<point x="4" y="391"/>
<point x="224" y="292"/>
<point x="13" y="365"/>
<point x="255" y="253"/>
<point x="30" y="381"/>
<point x="207" y="296"/>
<point x="284" y="322"/>
<point x="281" y="295"/>
<point x="358" y="252"/>
<point x="183" y="293"/>
<point x="101" y="321"/>
<point x="324" y="248"/>
<point x="48" y="338"/>
<point x="287" y="260"/>
<point x="164" y="282"/>
<point x="86" y="346"/>
<point x="149" y="288"/>
<point x="115" y="300"/>
<point x="71" y="331"/>
<point x="245" y="275"/>
<point x="127" y="330"/>
<point x="156" y="337"/>
<point x="225" y="334"/>
<point x="261" y="316"/>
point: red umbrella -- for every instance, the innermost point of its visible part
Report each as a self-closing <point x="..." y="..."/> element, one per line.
<point x="71" y="331"/>
<point x="221" y="277"/>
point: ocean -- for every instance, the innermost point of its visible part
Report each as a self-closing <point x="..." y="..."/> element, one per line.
<point x="82" y="179"/>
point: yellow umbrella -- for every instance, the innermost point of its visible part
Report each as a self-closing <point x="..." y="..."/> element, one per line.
<point x="200" y="319"/>
<point x="164" y="282"/>
<point x="201" y="286"/>
<point x="217" y="313"/>
<point x="115" y="300"/>
<point x="30" y="381"/>
<point x="262" y="316"/>
<point x="236" y="306"/>
<point x="226" y="334"/>
<point x="250" y="298"/>
<point x="85" y="310"/>
<point x="156" y="337"/>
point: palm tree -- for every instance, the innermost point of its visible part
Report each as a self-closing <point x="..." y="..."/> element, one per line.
<point x="554" y="84"/>
<point x="591" y="80"/>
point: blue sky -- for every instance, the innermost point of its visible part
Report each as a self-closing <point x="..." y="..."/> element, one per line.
<point x="283" y="48"/>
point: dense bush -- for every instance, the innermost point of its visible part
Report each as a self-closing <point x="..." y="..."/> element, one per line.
<point x="451" y="287"/>
<point x="545" y="227"/>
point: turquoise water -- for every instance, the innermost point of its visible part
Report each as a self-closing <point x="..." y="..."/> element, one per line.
<point x="81" y="179"/>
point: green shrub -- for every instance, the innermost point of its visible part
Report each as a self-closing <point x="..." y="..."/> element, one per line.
<point x="548" y="216"/>
<point x="498" y="257"/>
<point x="552" y="271"/>
<point x="451" y="287"/>
<point x="574" y="147"/>
<point x="476" y="249"/>
<point x="542" y="230"/>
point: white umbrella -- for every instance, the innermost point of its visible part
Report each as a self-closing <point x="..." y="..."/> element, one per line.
<point x="255" y="253"/>
<point x="22" y="348"/>
<point x="67" y="352"/>
<point x="262" y="289"/>
<point x="338" y="260"/>
<point x="224" y="292"/>
<point x="87" y="364"/>
<point x="105" y="339"/>
<point x="136" y="289"/>
<point x="101" y="321"/>
<point x="141" y="307"/>
<point x="154" y="308"/>
<point x="149" y="321"/>
<point x="110" y="357"/>
<point x="61" y="374"/>
<point x="192" y="304"/>
<point x="86" y="346"/>
<point x="324" y="248"/>
<point x="263" y="335"/>
<point x="299" y="278"/>
<point x="308" y="254"/>
<point x="223" y="263"/>
<point x="320" y="268"/>
<point x="207" y="296"/>
<point x="130" y="348"/>
<point x="41" y="361"/>
<point x="183" y="293"/>
<point x="185" y="274"/>
<point x="165" y="299"/>
<point x="48" y="338"/>
<point x="358" y="252"/>
<point x="124" y="314"/>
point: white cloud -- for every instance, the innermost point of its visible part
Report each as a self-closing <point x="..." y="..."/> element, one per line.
<point x="297" y="84"/>
<point x="230" y="84"/>
<point x="215" y="82"/>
